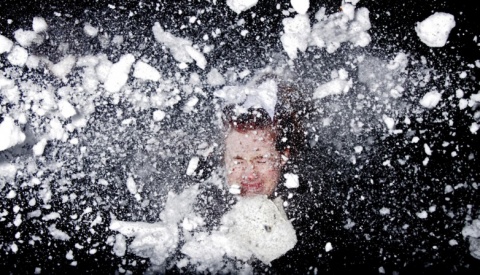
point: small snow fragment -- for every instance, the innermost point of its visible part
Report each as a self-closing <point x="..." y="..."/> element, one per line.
<point x="422" y="215"/>
<point x="452" y="242"/>
<point x="69" y="255"/>
<point x="474" y="127"/>
<point x="192" y="165"/>
<point x="39" y="147"/>
<point x="425" y="161"/>
<point x="385" y="211"/>
<point x="131" y="186"/>
<point x="158" y="115"/>
<point x="14" y="247"/>
<point x="144" y="71"/>
<point x="434" y="30"/>
<point x="51" y="216"/>
<point x="358" y="149"/>
<point x="214" y="78"/>
<point x="90" y="30"/>
<point x="430" y="99"/>
<point x="12" y="194"/>
<point x="428" y="151"/>
<point x="328" y="247"/>
<point x="58" y="234"/>
<point x="291" y="180"/>
<point x="390" y="122"/>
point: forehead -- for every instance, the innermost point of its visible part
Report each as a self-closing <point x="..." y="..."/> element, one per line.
<point x="249" y="142"/>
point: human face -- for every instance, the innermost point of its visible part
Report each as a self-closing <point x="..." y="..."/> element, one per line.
<point x="252" y="161"/>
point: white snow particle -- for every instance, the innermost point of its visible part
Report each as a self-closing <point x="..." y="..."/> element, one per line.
<point x="434" y="30"/>
<point x="431" y="99"/>
<point x="291" y="180"/>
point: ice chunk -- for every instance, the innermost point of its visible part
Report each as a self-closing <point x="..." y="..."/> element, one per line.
<point x="434" y="30"/>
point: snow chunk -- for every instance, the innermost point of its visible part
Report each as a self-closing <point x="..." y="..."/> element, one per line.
<point x="241" y="5"/>
<point x="434" y="30"/>
<point x="18" y="56"/>
<point x="39" y="147"/>
<point x="158" y="115"/>
<point x="180" y="48"/>
<point x="200" y="60"/>
<point x="214" y="78"/>
<point x="192" y="165"/>
<point x="300" y="6"/>
<point x="63" y="67"/>
<point x="431" y="99"/>
<point x="146" y="72"/>
<point x="26" y="38"/>
<point x="118" y="74"/>
<point x="11" y="134"/>
<point x="291" y="180"/>
<point x="338" y="85"/>
<point x="120" y="245"/>
<point x="39" y="25"/>
<point x="66" y="109"/>
<point x="474" y="127"/>
<point x="261" y="96"/>
<point x="340" y="27"/>
<point x="5" y="44"/>
<point x="328" y="247"/>
<point x="296" y="34"/>
<point x="58" y="234"/>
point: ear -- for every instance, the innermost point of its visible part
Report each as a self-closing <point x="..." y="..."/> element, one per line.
<point x="284" y="156"/>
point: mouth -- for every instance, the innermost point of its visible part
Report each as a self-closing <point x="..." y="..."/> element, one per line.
<point x="251" y="188"/>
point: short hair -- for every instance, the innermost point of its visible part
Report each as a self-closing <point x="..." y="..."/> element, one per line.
<point x="287" y="122"/>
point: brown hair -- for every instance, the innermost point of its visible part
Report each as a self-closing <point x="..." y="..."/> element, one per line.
<point x="287" y="121"/>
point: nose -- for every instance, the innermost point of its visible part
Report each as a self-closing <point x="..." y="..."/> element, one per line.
<point x="250" y="172"/>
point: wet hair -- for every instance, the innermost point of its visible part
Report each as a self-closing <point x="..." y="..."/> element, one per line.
<point x="286" y="124"/>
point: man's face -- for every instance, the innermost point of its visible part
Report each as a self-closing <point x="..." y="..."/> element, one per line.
<point x="252" y="161"/>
